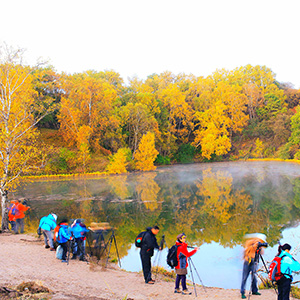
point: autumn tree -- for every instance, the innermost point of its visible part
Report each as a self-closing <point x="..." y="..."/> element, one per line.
<point x="19" y="115"/>
<point x="89" y="102"/>
<point x="146" y="153"/>
<point x="119" y="161"/>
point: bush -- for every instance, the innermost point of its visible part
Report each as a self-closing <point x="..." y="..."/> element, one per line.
<point x="185" y="153"/>
<point x="162" y="160"/>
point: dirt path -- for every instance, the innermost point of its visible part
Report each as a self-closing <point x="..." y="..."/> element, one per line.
<point x="23" y="258"/>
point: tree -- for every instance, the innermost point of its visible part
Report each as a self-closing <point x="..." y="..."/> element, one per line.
<point x="146" y="153"/>
<point x="19" y="115"/>
<point x="119" y="161"/>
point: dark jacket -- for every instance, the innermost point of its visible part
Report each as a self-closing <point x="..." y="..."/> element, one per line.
<point x="149" y="243"/>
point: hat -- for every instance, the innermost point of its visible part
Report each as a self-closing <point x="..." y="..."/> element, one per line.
<point x="54" y="216"/>
<point x="179" y="236"/>
<point x="260" y="236"/>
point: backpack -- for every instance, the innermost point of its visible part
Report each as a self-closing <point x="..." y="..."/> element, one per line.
<point x="274" y="273"/>
<point x="139" y="239"/>
<point x="56" y="235"/>
<point x="14" y="210"/>
<point x="172" y="259"/>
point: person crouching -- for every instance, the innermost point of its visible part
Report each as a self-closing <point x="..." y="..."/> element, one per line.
<point x="63" y="238"/>
<point x="181" y="268"/>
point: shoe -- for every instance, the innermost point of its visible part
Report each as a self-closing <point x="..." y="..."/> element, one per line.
<point x="243" y="296"/>
<point x="74" y="257"/>
<point x="52" y="249"/>
<point x="82" y="259"/>
<point x="177" y="291"/>
<point x="257" y="293"/>
<point x="186" y="292"/>
<point x="47" y="246"/>
<point x="150" y="282"/>
<point x="63" y="260"/>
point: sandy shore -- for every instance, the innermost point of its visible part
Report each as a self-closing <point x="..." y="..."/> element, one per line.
<point x="23" y="258"/>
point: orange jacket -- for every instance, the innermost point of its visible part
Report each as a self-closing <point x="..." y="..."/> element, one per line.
<point x="21" y="210"/>
<point x="12" y="217"/>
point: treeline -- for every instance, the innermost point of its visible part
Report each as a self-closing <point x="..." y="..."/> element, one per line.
<point x="103" y="124"/>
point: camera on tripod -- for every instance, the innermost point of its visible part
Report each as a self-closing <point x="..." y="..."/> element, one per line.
<point x="259" y="245"/>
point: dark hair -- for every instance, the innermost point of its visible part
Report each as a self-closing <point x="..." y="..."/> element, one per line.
<point x="64" y="221"/>
<point x="155" y="227"/>
<point x="284" y="247"/>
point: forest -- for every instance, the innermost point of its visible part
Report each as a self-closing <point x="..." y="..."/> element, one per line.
<point x="94" y="122"/>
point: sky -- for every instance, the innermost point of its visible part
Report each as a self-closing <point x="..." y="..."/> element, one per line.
<point x="141" y="37"/>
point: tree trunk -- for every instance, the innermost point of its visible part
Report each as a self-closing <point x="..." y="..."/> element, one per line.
<point x="4" y="223"/>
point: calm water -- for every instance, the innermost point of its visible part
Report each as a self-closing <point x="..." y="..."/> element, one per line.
<point x="214" y="204"/>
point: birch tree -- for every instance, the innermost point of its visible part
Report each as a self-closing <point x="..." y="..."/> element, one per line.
<point x="20" y="111"/>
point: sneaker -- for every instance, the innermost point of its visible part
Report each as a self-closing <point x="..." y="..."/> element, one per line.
<point x="257" y="293"/>
<point x="74" y="257"/>
<point x="186" y="292"/>
<point x="52" y="249"/>
<point x="63" y="260"/>
<point x="177" y="291"/>
<point x="243" y="296"/>
<point x="150" y="282"/>
<point x="47" y="246"/>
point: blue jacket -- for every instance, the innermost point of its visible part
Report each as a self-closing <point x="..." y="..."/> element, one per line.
<point x="78" y="231"/>
<point x="288" y="264"/>
<point x="63" y="234"/>
<point x="47" y="222"/>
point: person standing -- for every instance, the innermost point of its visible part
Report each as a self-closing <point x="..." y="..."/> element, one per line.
<point x="12" y="211"/>
<point x="20" y="215"/>
<point x="252" y="251"/>
<point x="149" y="243"/>
<point x="288" y="265"/>
<point x="78" y="231"/>
<point x="181" y="268"/>
<point x="47" y="224"/>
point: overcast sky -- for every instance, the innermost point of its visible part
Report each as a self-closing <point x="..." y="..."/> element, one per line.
<point x="139" y="38"/>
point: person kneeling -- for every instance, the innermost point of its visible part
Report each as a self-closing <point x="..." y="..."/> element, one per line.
<point x="63" y="238"/>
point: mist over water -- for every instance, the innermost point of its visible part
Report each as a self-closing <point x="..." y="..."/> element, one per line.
<point x="215" y="204"/>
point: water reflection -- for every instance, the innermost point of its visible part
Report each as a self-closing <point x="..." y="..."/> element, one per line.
<point x="215" y="205"/>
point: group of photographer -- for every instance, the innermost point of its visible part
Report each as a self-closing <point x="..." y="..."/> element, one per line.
<point x="67" y="238"/>
<point x="253" y="250"/>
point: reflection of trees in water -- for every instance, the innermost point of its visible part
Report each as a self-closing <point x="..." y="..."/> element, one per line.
<point x="213" y="206"/>
<point x="147" y="190"/>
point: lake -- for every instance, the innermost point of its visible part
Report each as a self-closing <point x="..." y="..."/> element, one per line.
<point x="214" y="204"/>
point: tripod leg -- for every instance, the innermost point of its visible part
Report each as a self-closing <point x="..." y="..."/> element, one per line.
<point x="192" y="263"/>
<point x="108" y="243"/>
<point x="117" y="251"/>
<point x="192" y="277"/>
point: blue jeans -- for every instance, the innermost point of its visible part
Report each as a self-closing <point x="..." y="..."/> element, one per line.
<point x="247" y="268"/>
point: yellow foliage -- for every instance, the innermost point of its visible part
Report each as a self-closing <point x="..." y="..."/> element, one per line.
<point x="118" y="162"/>
<point x="146" y="153"/>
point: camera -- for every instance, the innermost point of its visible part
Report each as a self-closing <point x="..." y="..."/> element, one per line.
<point x="259" y="245"/>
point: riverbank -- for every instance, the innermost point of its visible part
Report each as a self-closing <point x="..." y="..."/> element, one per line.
<point x="23" y="258"/>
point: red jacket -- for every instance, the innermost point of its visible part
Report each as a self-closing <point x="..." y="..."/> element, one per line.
<point x="21" y="210"/>
<point x="183" y="254"/>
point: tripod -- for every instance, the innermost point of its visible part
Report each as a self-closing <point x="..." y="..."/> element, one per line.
<point x="254" y="270"/>
<point x="158" y="255"/>
<point x="192" y="265"/>
<point x="112" y="239"/>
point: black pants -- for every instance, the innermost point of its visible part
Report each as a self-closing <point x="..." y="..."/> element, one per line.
<point x="65" y="250"/>
<point x="146" y="264"/>
<point x="284" y="288"/>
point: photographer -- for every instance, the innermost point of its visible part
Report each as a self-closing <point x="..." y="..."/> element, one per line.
<point x="252" y="249"/>
<point x="147" y="250"/>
